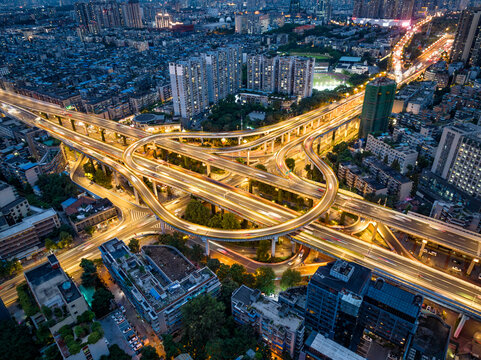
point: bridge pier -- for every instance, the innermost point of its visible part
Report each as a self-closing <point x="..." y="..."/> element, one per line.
<point x="471" y="266"/>
<point x="208" y="169"/>
<point x="207" y="246"/>
<point x="273" y="246"/>
<point x="156" y="193"/>
<point x="116" y="178"/>
<point x="264" y="147"/>
<point x="272" y="146"/>
<point x="239" y="140"/>
<point x="374" y="232"/>
<point x="289" y="136"/>
<point x="102" y="134"/>
<point x="59" y="120"/>
<point x="293" y="246"/>
<point x="461" y="323"/>
<point x="248" y="156"/>
<point x="298" y="131"/>
<point x="137" y="198"/>
<point x="72" y="121"/>
<point x="423" y="245"/>
<point x="124" y="140"/>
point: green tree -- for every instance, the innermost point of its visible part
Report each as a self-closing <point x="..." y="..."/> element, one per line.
<point x="263" y="250"/>
<point x="215" y="221"/>
<point x="265" y="280"/>
<point x="213" y="264"/>
<point x="134" y="245"/>
<point x="261" y="167"/>
<point x="116" y="353"/>
<point x="25" y="298"/>
<point x="203" y="319"/>
<point x="291" y="163"/>
<point x="237" y="272"/>
<point x="223" y="272"/>
<point x="171" y="348"/>
<point x="16" y="342"/>
<point x="228" y="287"/>
<point x="197" y="253"/>
<point x="89" y="275"/>
<point x="66" y="239"/>
<point x="149" y="353"/>
<point x="230" y="222"/>
<point x="50" y="244"/>
<point x="101" y="302"/>
<point x="290" y="278"/>
<point x="197" y="213"/>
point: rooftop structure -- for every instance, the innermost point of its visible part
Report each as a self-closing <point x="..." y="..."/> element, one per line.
<point x="158" y="281"/>
<point x="319" y="347"/>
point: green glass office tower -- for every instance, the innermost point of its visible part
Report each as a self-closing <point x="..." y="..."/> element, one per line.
<point x="377" y="106"/>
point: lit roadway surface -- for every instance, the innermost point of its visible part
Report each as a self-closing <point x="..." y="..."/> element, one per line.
<point x="455" y="292"/>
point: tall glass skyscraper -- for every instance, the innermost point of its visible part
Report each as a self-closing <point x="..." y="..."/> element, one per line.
<point x="377" y="106"/>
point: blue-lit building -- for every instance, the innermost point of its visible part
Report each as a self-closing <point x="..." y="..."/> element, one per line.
<point x="158" y="281"/>
<point x="343" y="303"/>
<point x="390" y="312"/>
<point x="334" y="299"/>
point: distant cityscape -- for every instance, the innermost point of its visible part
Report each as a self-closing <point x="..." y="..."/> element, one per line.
<point x="191" y="180"/>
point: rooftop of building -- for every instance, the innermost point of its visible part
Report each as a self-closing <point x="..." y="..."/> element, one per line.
<point x="160" y="273"/>
<point x="329" y="348"/>
<point x="399" y="299"/>
<point x="171" y="261"/>
<point x="28" y="222"/>
<point x="382" y="81"/>
<point x="356" y="282"/>
<point x="86" y="206"/>
<point x="48" y="281"/>
<point x="432" y="337"/>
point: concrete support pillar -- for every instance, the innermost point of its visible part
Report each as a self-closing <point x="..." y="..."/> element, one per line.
<point x="272" y="145"/>
<point x="293" y="246"/>
<point x="207" y="246"/>
<point x="298" y="130"/>
<point x="124" y="139"/>
<point x="116" y="178"/>
<point x="374" y="232"/>
<point x="208" y="169"/>
<point x="304" y="130"/>
<point x="239" y="140"/>
<point x="59" y="120"/>
<point x="282" y="139"/>
<point x="248" y="156"/>
<point x="423" y="245"/>
<point x="72" y="121"/>
<point x="264" y="147"/>
<point x="289" y="136"/>
<point x="471" y="266"/>
<point x="102" y="134"/>
<point x="137" y="198"/>
<point x="104" y="169"/>
<point x="318" y="122"/>
<point x="273" y="246"/>
<point x="156" y="193"/>
<point x="461" y="323"/>
<point x="162" y="227"/>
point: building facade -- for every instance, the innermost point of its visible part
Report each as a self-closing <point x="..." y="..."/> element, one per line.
<point x="377" y="106"/>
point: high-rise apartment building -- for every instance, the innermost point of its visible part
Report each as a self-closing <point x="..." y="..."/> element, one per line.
<point x="205" y="79"/>
<point x="323" y="11"/>
<point x="383" y="9"/>
<point x="343" y="303"/>
<point x="467" y="43"/>
<point x="458" y="157"/>
<point x="132" y="14"/>
<point x="334" y="299"/>
<point x="189" y="87"/>
<point x="377" y="106"/>
<point x="163" y="21"/>
<point x="286" y="75"/>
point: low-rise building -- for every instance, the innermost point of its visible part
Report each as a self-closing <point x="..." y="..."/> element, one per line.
<point x="319" y="347"/>
<point x="87" y="211"/>
<point x="158" y="281"/>
<point x="52" y="288"/>
<point x="26" y="237"/>
<point x="354" y="177"/>
<point x="397" y="185"/>
<point x="280" y="328"/>
<point x="383" y="148"/>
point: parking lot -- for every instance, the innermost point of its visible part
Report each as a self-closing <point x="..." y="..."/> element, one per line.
<point x="127" y="330"/>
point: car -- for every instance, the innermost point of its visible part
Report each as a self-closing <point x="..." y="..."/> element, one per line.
<point x="479" y="276"/>
<point x="456" y="261"/>
<point x="126" y="330"/>
<point x="134" y="339"/>
<point x="222" y="251"/>
<point x="122" y="308"/>
<point x="290" y="263"/>
<point x="139" y="346"/>
<point x="456" y="268"/>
